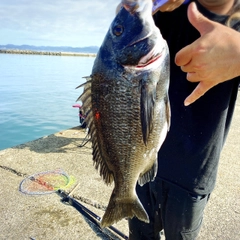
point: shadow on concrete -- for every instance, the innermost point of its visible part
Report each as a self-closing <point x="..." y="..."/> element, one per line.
<point x="54" y="144"/>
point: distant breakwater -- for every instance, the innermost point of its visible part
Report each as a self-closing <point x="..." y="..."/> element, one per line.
<point x="15" y="51"/>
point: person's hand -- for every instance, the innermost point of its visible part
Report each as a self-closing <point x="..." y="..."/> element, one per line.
<point x="211" y="59"/>
<point x="169" y="6"/>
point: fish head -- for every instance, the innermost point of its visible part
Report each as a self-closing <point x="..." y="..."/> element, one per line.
<point x="133" y="39"/>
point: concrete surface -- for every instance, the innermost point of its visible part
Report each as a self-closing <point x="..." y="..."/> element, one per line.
<point x="46" y="217"/>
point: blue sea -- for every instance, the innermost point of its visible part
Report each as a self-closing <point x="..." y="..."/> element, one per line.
<point x="37" y="93"/>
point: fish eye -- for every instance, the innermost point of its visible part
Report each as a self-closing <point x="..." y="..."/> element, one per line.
<point x="118" y="30"/>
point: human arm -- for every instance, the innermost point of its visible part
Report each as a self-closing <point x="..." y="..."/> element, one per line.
<point x="211" y="59"/>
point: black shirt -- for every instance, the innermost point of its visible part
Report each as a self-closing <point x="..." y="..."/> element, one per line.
<point x="189" y="156"/>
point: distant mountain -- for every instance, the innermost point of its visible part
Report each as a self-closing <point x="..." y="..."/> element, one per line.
<point x="90" y="49"/>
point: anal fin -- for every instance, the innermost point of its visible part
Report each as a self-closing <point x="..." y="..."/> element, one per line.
<point x="149" y="176"/>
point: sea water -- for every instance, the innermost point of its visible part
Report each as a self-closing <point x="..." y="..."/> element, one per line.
<point x="37" y="93"/>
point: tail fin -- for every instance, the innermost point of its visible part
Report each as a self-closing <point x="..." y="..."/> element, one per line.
<point x="119" y="209"/>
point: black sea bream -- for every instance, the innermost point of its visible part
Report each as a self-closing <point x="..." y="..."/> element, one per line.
<point x="128" y="107"/>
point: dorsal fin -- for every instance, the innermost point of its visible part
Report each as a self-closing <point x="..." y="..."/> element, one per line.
<point x="99" y="162"/>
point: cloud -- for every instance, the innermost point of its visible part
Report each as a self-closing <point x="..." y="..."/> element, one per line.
<point x="62" y="22"/>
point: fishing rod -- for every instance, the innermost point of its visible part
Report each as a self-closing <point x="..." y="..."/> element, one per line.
<point x="87" y="213"/>
<point x="52" y="182"/>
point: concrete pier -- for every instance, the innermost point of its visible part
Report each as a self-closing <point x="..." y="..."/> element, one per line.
<point x="46" y="217"/>
<point x="32" y="52"/>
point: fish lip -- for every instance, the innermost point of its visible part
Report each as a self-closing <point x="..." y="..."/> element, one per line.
<point x="131" y="8"/>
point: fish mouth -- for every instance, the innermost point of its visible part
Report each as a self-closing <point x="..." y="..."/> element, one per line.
<point x="134" y="6"/>
<point x="131" y="6"/>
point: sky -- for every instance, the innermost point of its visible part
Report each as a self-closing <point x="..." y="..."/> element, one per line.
<point x="75" y="23"/>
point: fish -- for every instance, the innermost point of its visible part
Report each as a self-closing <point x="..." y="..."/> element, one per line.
<point x="128" y="109"/>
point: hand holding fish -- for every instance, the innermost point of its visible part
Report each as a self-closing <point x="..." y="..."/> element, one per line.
<point x="211" y="59"/>
<point x="161" y="5"/>
<point x="166" y="5"/>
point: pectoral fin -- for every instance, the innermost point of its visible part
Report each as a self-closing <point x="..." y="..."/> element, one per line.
<point x="148" y="95"/>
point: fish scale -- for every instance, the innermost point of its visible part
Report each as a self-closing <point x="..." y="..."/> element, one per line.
<point x="126" y="99"/>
